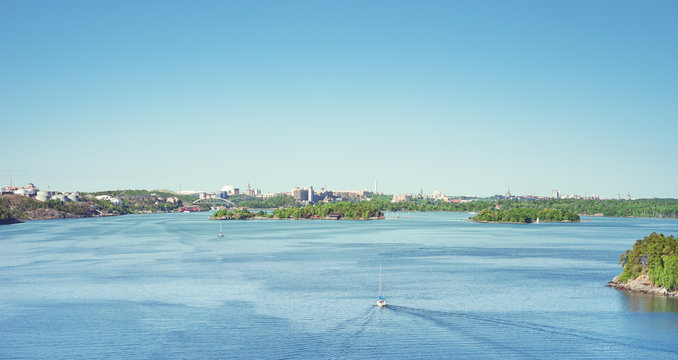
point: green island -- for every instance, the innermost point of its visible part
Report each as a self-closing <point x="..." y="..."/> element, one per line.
<point x="651" y="266"/>
<point x="238" y="214"/>
<point x="525" y="215"/>
<point x="363" y="210"/>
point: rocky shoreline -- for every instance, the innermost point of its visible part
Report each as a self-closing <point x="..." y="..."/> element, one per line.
<point x="642" y="284"/>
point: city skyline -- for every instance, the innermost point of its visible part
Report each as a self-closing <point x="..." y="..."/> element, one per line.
<point x="461" y="97"/>
<point x="257" y="191"/>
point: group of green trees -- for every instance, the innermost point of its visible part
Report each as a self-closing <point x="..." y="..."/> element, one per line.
<point x="346" y="210"/>
<point x="237" y="214"/>
<point x="525" y="215"/>
<point x="655" y="255"/>
<point x="661" y="208"/>
<point x="385" y="204"/>
<point x="259" y="203"/>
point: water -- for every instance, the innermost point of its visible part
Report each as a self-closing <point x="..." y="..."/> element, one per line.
<point x="166" y="286"/>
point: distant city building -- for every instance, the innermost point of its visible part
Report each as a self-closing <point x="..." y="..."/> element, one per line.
<point x="439" y="196"/>
<point x="401" y="198"/>
<point x="109" y="199"/>
<point x="229" y="189"/>
<point x="555" y="194"/>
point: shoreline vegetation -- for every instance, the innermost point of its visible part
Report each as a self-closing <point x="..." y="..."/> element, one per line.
<point x="331" y="211"/>
<point x="524" y="216"/>
<point x="16" y="208"/>
<point x="650" y="267"/>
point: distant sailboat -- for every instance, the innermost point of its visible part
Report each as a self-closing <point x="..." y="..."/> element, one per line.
<point x="221" y="233"/>
<point x="381" y="302"/>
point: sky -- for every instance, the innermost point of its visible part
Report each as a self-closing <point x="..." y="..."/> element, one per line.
<point x="464" y="97"/>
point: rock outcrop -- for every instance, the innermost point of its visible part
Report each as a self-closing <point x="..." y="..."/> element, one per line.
<point x="641" y="284"/>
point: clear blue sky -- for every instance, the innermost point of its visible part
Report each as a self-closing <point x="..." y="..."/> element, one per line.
<point x="466" y="97"/>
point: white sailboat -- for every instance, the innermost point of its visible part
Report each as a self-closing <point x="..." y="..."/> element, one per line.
<point x="221" y="233"/>
<point x="381" y="302"/>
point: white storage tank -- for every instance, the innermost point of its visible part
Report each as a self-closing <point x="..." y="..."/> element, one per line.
<point x="62" y="198"/>
<point x="43" y="195"/>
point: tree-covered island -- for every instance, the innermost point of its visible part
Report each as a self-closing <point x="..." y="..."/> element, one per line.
<point x="238" y="214"/>
<point x="525" y="215"/>
<point x="651" y="266"/>
<point x="363" y="210"/>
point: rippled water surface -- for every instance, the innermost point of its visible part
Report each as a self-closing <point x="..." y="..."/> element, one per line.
<point x="165" y="286"/>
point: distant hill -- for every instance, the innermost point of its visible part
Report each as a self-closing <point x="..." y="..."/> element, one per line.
<point x="18" y="208"/>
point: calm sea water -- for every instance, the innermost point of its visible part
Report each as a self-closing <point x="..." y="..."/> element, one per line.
<point x="165" y="286"/>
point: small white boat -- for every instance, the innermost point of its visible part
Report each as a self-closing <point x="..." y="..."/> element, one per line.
<point x="221" y="233"/>
<point x="381" y="302"/>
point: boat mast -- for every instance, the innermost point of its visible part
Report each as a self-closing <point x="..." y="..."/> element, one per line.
<point x="380" y="280"/>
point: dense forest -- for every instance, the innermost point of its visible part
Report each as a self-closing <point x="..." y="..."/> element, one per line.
<point x="363" y="210"/>
<point x="661" y="208"/>
<point x="525" y="215"/>
<point x="655" y="255"/>
<point x="260" y="203"/>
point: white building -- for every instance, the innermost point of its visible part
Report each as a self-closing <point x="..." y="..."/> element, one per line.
<point x="110" y="199"/>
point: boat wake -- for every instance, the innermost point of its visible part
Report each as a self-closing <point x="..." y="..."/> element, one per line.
<point x="471" y="325"/>
<point x="348" y="335"/>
